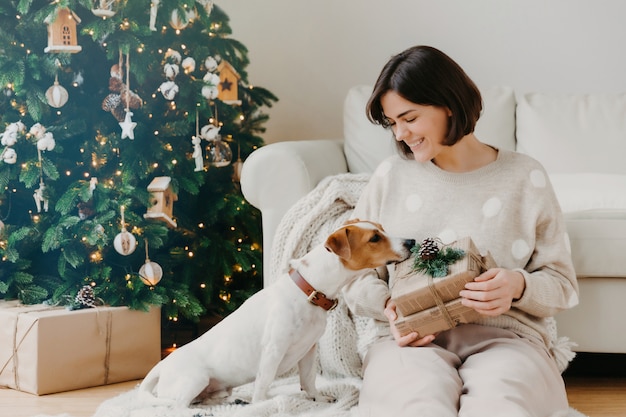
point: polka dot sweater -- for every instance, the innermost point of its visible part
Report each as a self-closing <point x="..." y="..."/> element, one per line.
<point x="507" y="207"/>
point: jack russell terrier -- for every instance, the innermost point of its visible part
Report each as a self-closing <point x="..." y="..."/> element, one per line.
<point x="279" y="326"/>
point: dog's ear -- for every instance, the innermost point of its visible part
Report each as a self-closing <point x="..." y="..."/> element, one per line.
<point x="351" y="221"/>
<point x="339" y="244"/>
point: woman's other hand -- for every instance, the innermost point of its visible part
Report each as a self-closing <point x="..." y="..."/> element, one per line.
<point x="411" y="339"/>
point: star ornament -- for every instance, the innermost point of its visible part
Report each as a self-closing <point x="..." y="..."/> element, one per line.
<point x="127" y="126"/>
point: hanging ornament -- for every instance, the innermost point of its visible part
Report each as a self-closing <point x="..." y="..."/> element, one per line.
<point x="218" y="152"/>
<point x="125" y="242"/>
<point x="162" y="198"/>
<point x="103" y="8"/>
<point x="56" y="95"/>
<point x="229" y="83"/>
<point x="62" y="37"/>
<point x="237" y="165"/>
<point x="40" y="199"/>
<point x="154" y="8"/>
<point x="177" y="22"/>
<point x="128" y="126"/>
<point x="150" y="272"/>
<point x="197" y="149"/>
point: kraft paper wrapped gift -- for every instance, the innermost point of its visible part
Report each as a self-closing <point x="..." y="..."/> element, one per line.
<point x="429" y="305"/>
<point x="46" y="349"/>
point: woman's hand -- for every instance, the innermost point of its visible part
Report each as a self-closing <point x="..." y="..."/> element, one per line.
<point x="411" y="339"/>
<point x="492" y="292"/>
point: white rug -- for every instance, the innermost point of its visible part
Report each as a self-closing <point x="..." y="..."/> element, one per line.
<point x="286" y="401"/>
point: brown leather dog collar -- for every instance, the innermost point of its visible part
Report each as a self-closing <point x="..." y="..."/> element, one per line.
<point x="315" y="297"/>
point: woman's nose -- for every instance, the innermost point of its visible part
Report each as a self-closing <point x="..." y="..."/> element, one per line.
<point x="400" y="132"/>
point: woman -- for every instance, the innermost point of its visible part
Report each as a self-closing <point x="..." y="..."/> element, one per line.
<point x="447" y="184"/>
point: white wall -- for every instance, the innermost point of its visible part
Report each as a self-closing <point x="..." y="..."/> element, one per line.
<point x="309" y="53"/>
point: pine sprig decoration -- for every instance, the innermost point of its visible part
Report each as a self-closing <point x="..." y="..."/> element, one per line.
<point x="434" y="265"/>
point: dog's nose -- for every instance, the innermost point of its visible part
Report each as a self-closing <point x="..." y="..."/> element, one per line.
<point x="409" y="243"/>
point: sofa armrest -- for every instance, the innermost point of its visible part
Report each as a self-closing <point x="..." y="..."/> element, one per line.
<point x="277" y="175"/>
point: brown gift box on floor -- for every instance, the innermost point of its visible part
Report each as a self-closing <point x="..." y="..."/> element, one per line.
<point x="429" y="305"/>
<point x="46" y="349"/>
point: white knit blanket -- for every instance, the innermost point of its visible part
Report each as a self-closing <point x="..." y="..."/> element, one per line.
<point x="340" y="350"/>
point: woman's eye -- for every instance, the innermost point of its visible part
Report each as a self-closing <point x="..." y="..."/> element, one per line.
<point x="387" y="123"/>
<point x="411" y="119"/>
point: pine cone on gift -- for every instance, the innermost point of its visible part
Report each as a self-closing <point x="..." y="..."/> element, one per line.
<point x="86" y="297"/>
<point x="428" y="249"/>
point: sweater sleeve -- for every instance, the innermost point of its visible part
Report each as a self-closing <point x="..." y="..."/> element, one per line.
<point x="551" y="284"/>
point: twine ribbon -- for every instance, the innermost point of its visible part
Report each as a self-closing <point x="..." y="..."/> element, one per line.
<point x="440" y="304"/>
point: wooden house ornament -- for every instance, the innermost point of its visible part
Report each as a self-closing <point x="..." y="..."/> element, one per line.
<point x="229" y="83"/>
<point x="62" y="36"/>
<point x="163" y="198"/>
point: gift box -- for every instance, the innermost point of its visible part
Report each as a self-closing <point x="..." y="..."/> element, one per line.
<point x="46" y="349"/>
<point x="429" y="305"/>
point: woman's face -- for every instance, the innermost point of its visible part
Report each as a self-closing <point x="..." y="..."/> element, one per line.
<point x="422" y="128"/>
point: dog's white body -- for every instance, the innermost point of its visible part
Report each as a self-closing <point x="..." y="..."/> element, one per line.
<point x="276" y="328"/>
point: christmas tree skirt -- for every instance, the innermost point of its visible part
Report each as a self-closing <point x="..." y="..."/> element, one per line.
<point x="286" y="400"/>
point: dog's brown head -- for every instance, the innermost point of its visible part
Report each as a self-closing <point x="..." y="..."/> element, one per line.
<point x="362" y="244"/>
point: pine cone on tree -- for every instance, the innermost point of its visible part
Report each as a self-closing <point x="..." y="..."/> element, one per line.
<point x="428" y="249"/>
<point x="86" y="297"/>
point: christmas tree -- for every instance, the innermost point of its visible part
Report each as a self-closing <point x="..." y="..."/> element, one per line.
<point x="124" y="124"/>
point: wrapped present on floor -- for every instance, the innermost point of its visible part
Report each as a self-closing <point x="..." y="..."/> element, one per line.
<point x="46" y="349"/>
<point x="429" y="304"/>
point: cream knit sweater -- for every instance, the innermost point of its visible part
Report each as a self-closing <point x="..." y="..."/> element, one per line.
<point x="507" y="207"/>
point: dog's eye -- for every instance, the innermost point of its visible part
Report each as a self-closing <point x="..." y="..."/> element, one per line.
<point x="375" y="238"/>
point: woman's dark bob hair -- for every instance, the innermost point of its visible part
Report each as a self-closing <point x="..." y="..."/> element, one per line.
<point x="426" y="76"/>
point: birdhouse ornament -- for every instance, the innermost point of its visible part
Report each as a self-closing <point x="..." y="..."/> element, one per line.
<point x="163" y="198"/>
<point x="62" y="32"/>
<point x="229" y="83"/>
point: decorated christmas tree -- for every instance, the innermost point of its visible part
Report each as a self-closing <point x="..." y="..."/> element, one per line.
<point x="124" y="125"/>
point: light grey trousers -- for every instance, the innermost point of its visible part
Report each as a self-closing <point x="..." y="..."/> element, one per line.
<point x="468" y="371"/>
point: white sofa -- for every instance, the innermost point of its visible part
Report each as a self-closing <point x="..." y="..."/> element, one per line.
<point x="581" y="141"/>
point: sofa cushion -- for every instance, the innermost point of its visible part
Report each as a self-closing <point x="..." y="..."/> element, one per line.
<point x="366" y="144"/>
<point x="595" y="214"/>
<point x="570" y="133"/>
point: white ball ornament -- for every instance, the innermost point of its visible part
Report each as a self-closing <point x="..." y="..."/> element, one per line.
<point x="151" y="273"/>
<point x="57" y="95"/>
<point x="125" y="243"/>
